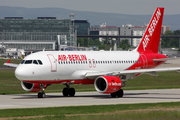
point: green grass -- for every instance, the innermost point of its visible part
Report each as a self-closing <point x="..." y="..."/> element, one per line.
<point x="155" y="111"/>
<point x="163" y="80"/>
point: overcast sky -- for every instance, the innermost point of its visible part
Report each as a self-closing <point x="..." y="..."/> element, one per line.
<point x="138" y="7"/>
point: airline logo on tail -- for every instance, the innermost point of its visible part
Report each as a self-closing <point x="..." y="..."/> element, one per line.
<point x="151" y="28"/>
<point x="150" y="40"/>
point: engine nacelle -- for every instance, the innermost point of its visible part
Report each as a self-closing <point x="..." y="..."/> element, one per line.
<point x="107" y="84"/>
<point x="30" y="87"/>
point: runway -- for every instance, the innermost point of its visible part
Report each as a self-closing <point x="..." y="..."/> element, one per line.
<point x="88" y="98"/>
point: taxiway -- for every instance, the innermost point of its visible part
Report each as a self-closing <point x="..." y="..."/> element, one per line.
<point x="88" y="98"/>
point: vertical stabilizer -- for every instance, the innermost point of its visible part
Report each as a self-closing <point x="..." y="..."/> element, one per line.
<point x="151" y="38"/>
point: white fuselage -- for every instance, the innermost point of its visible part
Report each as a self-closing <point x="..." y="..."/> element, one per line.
<point x="73" y="65"/>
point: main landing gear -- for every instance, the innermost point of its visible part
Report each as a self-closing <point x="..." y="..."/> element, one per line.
<point x="68" y="91"/>
<point x="118" y="93"/>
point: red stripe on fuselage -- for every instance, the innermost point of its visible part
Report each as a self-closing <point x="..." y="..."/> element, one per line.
<point x="83" y="81"/>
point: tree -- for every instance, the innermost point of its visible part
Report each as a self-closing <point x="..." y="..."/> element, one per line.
<point x="170" y="42"/>
<point x="97" y="42"/>
<point x="124" y="44"/>
<point x="80" y="41"/>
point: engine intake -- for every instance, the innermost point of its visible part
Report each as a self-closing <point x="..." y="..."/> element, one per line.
<point x="107" y="84"/>
<point x="30" y="87"/>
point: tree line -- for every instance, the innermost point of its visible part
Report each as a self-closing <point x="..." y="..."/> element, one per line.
<point x="105" y="44"/>
<point x="170" y="42"/>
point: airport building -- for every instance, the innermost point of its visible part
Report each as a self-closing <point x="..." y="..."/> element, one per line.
<point x="165" y="28"/>
<point x="103" y="30"/>
<point x="94" y="30"/>
<point x="124" y="30"/>
<point x="130" y="30"/>
<point x="81" y="26"/>
<point x="108" y="30"/>
<point x="36" y="34"/>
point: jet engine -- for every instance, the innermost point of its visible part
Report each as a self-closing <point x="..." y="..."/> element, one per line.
<point x="107" y="84"/>
<point x="30" y="87"/>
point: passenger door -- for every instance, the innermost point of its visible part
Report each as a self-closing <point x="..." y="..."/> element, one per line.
<point x="53" y="62"/>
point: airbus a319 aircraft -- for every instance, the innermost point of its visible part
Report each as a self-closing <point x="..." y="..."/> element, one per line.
<point x="107" y="70"/>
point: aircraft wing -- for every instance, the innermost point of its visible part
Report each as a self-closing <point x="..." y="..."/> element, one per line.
<point x="125" y="72"/>
<point x="10" y="64"/>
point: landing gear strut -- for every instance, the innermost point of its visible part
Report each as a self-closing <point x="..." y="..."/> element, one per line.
<point x="41" y="94"/>
<point x="68" y="91"/>
<point x="118" y="93"/>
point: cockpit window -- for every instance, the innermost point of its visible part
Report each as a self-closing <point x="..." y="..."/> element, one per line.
<point x="28" y="61"/>
<point x="35" y="62"/>
<point x="22" y="62"/>
<point x="39" y="61"/>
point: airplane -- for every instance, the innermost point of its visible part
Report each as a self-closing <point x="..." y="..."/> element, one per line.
<point x="107" y="70"/>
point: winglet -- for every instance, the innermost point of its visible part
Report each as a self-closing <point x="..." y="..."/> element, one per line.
<point x="8" y="61"/>
<point x="10" y="64"/>
<point x="151" y="38"/>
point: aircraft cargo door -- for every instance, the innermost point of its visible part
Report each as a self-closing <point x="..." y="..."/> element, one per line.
<point x="53" y="62"/>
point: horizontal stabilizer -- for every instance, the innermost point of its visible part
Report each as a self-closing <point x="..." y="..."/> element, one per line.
<point x="165" y="59"/>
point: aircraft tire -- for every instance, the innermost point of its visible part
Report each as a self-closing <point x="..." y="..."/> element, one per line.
<point x="113" y="95"/>
<point x="41" y="95"/>
<point x="71" y="92"/>
<point x="65" y="92"/>
<point x="120" y="93"/>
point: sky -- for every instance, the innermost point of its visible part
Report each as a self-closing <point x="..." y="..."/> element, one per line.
<point x="136" y="7"/>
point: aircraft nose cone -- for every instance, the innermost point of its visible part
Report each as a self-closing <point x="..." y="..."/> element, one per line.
<point x="20" y="73"/>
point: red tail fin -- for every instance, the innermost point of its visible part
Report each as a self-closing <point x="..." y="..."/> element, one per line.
<point x="151" y="38"/>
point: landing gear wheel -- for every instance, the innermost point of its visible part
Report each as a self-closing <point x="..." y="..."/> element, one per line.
<point x="41" y="95"/>
<point x="113" y="95"/>
<point x="71" y="92"/>
<point x="68" y="92"/>
<point x="120" y="93"/>
<point x="65" y="92"/>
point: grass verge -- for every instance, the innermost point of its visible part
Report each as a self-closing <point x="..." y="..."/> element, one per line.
<point x="103" y="112"/>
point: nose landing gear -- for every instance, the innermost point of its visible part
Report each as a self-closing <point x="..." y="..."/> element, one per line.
<point x="42" y="93"/>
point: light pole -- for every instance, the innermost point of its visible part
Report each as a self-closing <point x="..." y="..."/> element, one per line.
<point x="71" y="16"/>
